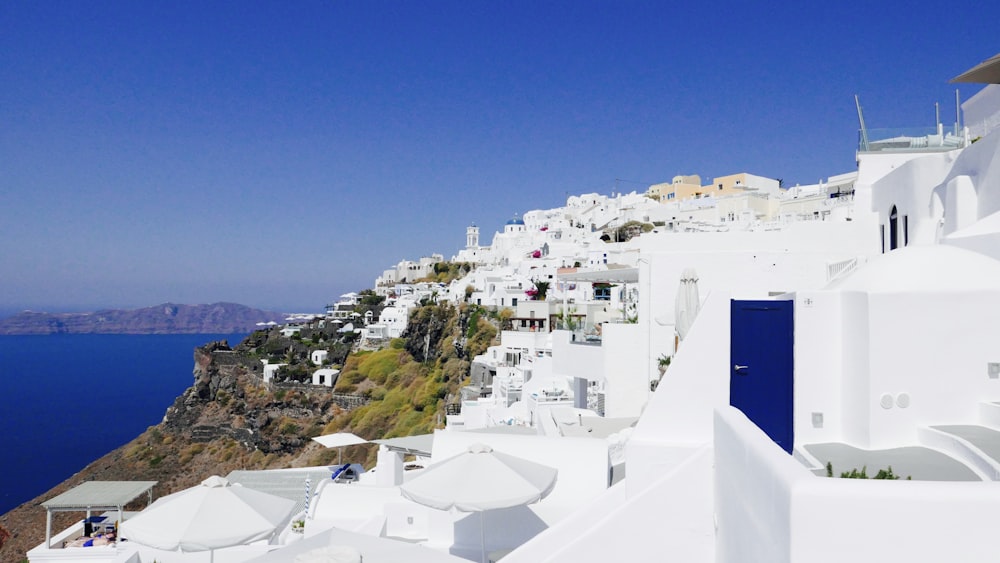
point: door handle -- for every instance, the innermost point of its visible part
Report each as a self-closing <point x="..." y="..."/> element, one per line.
<point x="738" y="368"/>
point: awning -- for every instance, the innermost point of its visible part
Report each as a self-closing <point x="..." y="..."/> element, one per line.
<point x="340" y="440"/>
<point x="986" y="72"/>
<point x="95" y="495"/>
<point x="420" y="444"/>
<point x="617" y="275"/>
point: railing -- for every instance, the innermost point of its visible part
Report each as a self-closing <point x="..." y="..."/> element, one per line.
<point x="910" y="139"/>
<point x="836" y="270"/>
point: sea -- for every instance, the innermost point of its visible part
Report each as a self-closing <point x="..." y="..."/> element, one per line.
<point x="68" y="399"/>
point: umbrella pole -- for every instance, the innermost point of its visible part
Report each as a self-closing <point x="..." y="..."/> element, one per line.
<point x="482" y="532"/>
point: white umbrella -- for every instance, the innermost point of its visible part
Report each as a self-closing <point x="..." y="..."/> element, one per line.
<point x="481" y="479"/>
<point x="208" y="516"/>
<point x="687" y="302"/>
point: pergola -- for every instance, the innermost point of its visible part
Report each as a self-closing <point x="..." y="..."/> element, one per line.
<point x="95" y="495"/>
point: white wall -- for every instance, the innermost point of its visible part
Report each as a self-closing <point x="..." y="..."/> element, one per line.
<point x="572" y="359"/>
<point x="678" y="418"/>
<point x="670" y="520"/>
<point x="909" y="187"/>
<point x="750" y="263"/>
<point x="818" y="366"/>
<point x="981" y="112"/>
<point x="770" y="508"/>
<point x="934" y="348"/>
<point x="855" y="386"/>
<point x="754" y="483"/>
<point x="626" y="372"/>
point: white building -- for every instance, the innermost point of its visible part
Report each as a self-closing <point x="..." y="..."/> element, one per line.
<point x="862" y="340"/>
<point x="318" y="357"/>
<point x="326" y="377"/>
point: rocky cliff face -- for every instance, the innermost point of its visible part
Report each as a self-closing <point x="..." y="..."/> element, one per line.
<point x="228" y="419"/>
<point x="168" y="318"/>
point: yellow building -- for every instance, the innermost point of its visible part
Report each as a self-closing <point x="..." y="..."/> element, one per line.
<point x="687" y="187"/>
<point x="681" y="187"/>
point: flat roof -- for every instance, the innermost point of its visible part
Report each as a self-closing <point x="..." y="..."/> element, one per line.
<point x="420" y="444"/>
<point x="919" y="463"/>
<point x="99" y="494"/>
<point x="611" y="275"/>
<point x="285" y="483"/>
<point x="595" y="426"/>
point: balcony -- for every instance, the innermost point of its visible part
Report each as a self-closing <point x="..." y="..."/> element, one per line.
<point x="910" y="139"/>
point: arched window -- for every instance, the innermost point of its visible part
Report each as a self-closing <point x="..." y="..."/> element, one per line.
<point x="893" y="230"/>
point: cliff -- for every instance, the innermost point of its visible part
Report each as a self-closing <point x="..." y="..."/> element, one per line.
<point x="168" y="318"/>
<point x="227" y="420"/>
<point x="230" y="419"/>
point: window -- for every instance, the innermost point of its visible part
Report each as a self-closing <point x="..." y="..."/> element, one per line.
<point x="893" y="229"/>
<point x="602" y="293"/>
<point x="906" y="230"/>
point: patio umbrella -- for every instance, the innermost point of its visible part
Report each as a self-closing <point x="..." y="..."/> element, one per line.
<point x="209" y="516"/>
<point x="687" y="302"/>
<point x="481" y="479"/>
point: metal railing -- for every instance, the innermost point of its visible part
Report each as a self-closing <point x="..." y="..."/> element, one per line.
<point x="910" y="139"/>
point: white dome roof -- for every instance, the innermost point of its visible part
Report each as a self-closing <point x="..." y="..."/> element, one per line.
<point x="935" y="268"/>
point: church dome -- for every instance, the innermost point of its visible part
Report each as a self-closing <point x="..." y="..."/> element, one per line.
<point x="515" y="221"/>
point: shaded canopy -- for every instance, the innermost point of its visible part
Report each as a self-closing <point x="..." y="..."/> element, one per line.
<point x="211" y="515"/>
<point x="340" y="439"/>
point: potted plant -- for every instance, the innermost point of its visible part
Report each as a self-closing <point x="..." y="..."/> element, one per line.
<point x="663" y="362"/>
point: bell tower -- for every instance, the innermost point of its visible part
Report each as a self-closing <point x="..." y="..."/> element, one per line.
<point x="472" y="237"/>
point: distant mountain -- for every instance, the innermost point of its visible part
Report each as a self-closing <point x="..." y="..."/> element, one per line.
<point x="167" y="318"/>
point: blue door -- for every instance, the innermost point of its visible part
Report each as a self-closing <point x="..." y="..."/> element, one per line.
<point x="761" y="365"/>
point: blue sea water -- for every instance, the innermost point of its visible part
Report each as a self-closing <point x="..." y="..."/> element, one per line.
<point x="68" y="399"/>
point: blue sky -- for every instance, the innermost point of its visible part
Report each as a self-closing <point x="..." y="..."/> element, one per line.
<point x="280" y="155"/>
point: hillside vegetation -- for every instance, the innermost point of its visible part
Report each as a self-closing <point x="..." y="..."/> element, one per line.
<point x="410" y="382"/>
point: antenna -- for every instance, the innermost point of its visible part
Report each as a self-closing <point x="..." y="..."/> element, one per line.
<point x="861" y="119"/>
<point x="937" y="113"/>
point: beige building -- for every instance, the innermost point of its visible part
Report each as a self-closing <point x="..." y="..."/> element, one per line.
<point x="687" y="187"/>
<point x="681" y="187"/>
